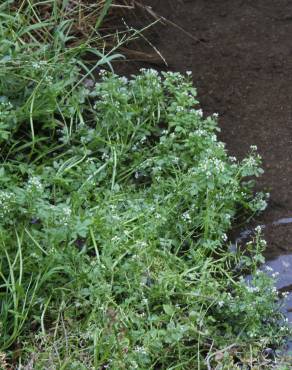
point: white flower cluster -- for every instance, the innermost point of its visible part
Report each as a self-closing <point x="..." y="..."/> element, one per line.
<point x="149" y="71"/>
<point x="140" y="349"/>
<point x="6" y="105"/>
<point x="5" y="110"/>
<point x="66" y="215"/>
<point x="187" y="217"/>
<point x="39" y="64"/>
<point x="175" y="160"/>
<point x="227" y="217"/>
<point x="5" y="202"/>
<point x="252" y="289"/>
<point x="275" y="274"/>
<point x="48" y="79"/>
<point x="250" y="162"/>
<point x="105" y="156"/>
<point x="141" y="244"/>
<point x="180" y="109"/>
<point x="259" y="203"/>
<point x="34" y="184"/>
<point x="262" y="205"/>
<point x="269" y="269"/>
<point x="211" y="166"/>
<point x="61" y="214"/>
<point x="199" y="112"/>
<point x="199" y="132"/>
<point x="221" y="303"/>
<point x="123" y="79"/>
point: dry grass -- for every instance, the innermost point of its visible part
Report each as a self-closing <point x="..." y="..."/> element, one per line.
<point x="3" y="362"/>
<point x="91" y="23"/>
<point x="81" y="20"/>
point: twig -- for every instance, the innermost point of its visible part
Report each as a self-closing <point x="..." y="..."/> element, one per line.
<point x="208" y="358"/>
<point x="160" y="17"/>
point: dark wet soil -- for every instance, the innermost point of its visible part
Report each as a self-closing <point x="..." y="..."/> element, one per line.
<point x="240" y="53"/>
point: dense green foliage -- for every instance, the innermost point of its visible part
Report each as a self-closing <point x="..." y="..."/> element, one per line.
<point x="116" y="200"/>
<point x="117" y="241"/>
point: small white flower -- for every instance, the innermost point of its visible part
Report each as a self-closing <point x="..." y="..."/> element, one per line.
<point x="252" y="289"/>
<point x="36" y="65"/>
<point x="200" y="132"/>
<point x="34" y="183"/>
<point x="224" y="237"/>
<point x="104" y="156"/>
<point x="67" y="211"/>
<point x="186" y="216"/>
<point x="275" y="274"/>
<point x="124" y="79"/>
<point x="258" y="229"/>
<point x="115" y="239"/>
<point x="142" y="244"/>
<point x="269" y="268"/>
<point x="140" y="349"/>
<point x="199" y="112"/>
<point x="6" y="199"/>
<point x="48" y="79"/>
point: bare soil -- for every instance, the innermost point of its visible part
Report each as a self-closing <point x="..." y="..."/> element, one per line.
<point x="240" y="53"/>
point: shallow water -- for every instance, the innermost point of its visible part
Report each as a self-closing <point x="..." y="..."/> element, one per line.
<point x="281" y="264"/>
<point x="283" y="221"/>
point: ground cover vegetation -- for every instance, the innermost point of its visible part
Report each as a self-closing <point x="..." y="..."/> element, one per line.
<point x="116" y="201"/>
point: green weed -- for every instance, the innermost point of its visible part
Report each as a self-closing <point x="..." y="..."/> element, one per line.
<point x="116" y="201"/>
<point x="114" y="248"/>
